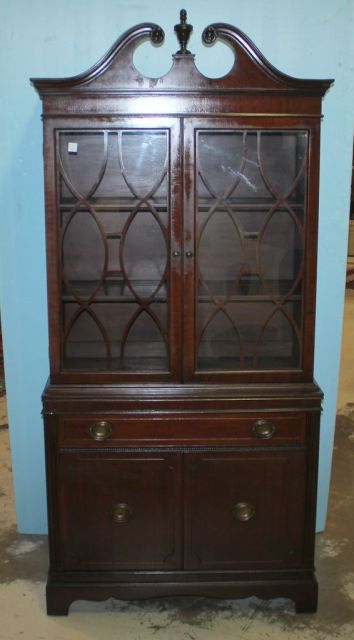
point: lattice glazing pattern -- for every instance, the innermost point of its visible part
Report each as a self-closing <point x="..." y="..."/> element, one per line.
<point x="115" y="226"/>
<point x="251" y="202"/>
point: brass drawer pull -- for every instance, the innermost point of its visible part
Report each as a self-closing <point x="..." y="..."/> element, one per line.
<point x="121" y="512"/>
<point x="263" y="429"/>
<point x="100" y="430"/>
<point x="243" y="511"/>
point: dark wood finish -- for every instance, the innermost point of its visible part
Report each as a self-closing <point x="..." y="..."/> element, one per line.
<point x="267" y="532"/>
<point x="145" y="533"/>
<point x="186" y="478"/>
<point x="303" y="592"/>
<point x="184" y="430"/>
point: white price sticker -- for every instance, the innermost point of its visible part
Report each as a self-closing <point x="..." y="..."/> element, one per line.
<point x="72" y="147"/>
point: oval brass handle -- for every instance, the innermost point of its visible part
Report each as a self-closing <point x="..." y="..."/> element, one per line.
<point x="121" y="512"/>
<point x="263" y="429"/>
<point x="243" y="511"/>
<point x="100" y="430"/>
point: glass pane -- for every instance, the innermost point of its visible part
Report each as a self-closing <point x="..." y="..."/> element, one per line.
<point x="115" y="220"/>
<point x="249" y="335"/>
<point x="280" y="252"/>
<point x="278" y="342"/>
<point x="219" y="340"/>
<point x="82" y="158"/>
<point x="251" y="198"/>
<point x="144" y="254"/>
<point x="83" y="238"/>
<point x="219" y="252"/>
<point x="84" y="343"/>
<point x="145" y="342"/>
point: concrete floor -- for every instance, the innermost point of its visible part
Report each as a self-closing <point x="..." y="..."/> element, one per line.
<point x="23" y="565"/>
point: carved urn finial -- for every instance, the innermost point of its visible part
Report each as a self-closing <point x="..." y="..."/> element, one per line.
<point x="183" y="31"/>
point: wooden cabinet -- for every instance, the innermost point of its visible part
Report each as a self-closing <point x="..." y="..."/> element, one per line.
<point x="181" y="414"/>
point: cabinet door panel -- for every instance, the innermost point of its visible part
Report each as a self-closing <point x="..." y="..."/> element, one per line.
<point x="244" y="509"/>
<point x="249" y="209"/>
<point x="119" y="511"/>
<point x="117" y="217"/>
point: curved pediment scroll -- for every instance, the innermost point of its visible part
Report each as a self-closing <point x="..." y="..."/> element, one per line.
<point x="116" y="72"/>
<point x="251" y="69"/>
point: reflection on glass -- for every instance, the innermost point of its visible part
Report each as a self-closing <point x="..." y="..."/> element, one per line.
<point x="251" y="205"/>
<point x="114" y="215"/>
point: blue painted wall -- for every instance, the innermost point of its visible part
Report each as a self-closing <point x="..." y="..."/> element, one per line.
<point x="51" y="38"/>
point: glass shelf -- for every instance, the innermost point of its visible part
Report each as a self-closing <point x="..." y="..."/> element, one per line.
<point x="231" y="364"/>
<point x="115" y="291"/>
<point x="113" y="204"/>
<point x="142" y="365"/>
<point x="248" y="289"/>
<point x="204" y="204"/>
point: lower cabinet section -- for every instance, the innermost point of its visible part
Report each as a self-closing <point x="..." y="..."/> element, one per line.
<point x="142" y="521"/>
<point x="198" y="510"/>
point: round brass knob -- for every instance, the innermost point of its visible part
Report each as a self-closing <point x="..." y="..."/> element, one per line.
<point x="243" y="511"/>
<point x="121" y="512"/>
<point x="100" y="430"/>
<point x="263" y="429"/>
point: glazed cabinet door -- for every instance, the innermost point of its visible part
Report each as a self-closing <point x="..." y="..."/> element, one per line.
<point x="119" y="511"/>
<point x="245" y="227"/>
<point x="118" y="251"/>
<point x="244" y="509"/>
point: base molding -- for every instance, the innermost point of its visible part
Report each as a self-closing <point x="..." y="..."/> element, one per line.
<point x="61" y="595"/>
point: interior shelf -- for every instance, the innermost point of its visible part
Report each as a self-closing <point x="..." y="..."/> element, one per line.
<point x="128" y="204"/>
<point x="248" y="290"/>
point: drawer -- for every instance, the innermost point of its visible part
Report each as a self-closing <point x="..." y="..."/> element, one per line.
<point x="251" y="429"/>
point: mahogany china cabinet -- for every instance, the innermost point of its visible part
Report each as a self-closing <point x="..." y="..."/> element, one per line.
<point x="181" y="415"/>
